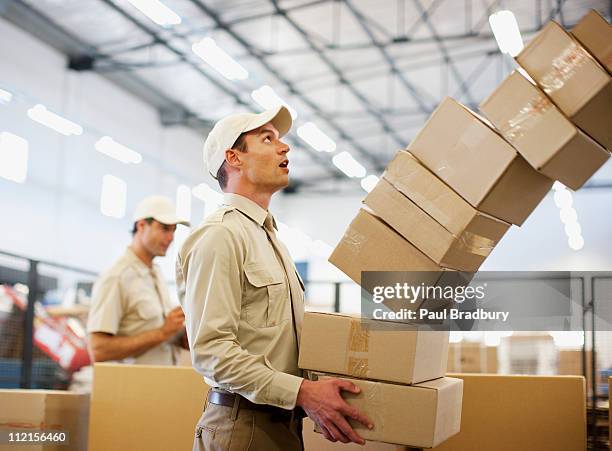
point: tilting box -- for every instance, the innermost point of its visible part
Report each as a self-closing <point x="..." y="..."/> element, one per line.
<point x="541" y="133"/>
<point x="573" y="79"/>
<point x="595" y="34"/>
<point x="434" y="218"/>
<point x="464" y="151"/>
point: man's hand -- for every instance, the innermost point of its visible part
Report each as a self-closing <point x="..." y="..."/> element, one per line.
<point x="322" y="402"/>
<point x="175" y="321"/>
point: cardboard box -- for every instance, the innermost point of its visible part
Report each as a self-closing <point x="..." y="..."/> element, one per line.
<point x="466" y="357"/>
<point x="570" y="364"/>
<point x="595" y="34"/>
<point x="549" y="141"/>
<point x="45" y="410"/>
<point x="422" y="415"/>
<point x="362" y="348"/>
<point x="371" y="245"/>
<point x="473" y="159"/>
<point x="144" y="407"/>
<point x="314" y="441"/>
<point x="573" y="79"/>
<point x="434" y="218"/>
<point x="527" y="413"/>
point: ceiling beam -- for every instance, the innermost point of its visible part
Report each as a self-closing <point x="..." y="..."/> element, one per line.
<point x="373" y="160"/>
<point x="40" y="26"/>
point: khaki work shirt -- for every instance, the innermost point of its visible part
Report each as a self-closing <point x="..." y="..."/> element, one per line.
<point x="237" y="297"/>
<point x="128" y="299"/>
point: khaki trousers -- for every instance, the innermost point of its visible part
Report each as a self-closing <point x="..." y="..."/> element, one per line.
<point x="222" y="428"/>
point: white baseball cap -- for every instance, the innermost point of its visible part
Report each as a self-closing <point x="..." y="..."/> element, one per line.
<point x="159" y="208"/>
<point x="225" y="133"/>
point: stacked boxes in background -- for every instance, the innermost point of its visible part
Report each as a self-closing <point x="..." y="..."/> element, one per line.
<point x="400" y="370"/>
<point x="472" y="357"/>
<point x="49" y="411"/>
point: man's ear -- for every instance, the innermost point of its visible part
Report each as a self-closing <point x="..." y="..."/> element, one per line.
<point x="232" y="158"/>
<point x="140" y="224"/>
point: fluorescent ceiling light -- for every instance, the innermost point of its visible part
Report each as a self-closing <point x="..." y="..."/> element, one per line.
<point x="209" y="51"/>
<point x="13" y="157"/>
<point x="568" y="215"/>
<point x="575" y="242"/>
<point x="39" y="113"/>
<point x="506" y="31"/>
<point x="318" y="140"/>
<point x="268" y="98"/>
<point x="5" y="96"/>
<point x="183" y="202"/>
<point x="573" y="229"/>
<point x="157" y="12"/>
<point x="368" y="183"/>
<point x="558" y="186"/>
<point x="114" y="196"/>
<point x="563" y="198"/>
<point x="108" y="146"/>
<point x="347" y="164"/>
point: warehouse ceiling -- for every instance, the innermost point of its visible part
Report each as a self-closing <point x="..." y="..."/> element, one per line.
<point x="366" y="72"/>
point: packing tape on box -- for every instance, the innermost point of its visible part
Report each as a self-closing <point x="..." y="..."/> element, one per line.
<point x="357" y="353"/>
<point x="564" y="67"/>
<point x="354" y="240"/>
<point x="469" y="141"/>
<point x="528" y="117"/>
<point x="423" y="201"/>
<point x="476" y="244"/>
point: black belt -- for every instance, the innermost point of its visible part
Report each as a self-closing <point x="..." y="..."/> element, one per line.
<point x="228" y="400"/>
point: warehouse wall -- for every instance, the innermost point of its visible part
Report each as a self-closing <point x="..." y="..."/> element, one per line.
<point x="55" y="214"/>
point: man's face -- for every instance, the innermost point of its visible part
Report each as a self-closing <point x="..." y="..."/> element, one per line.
<point x="157" y="237"/>
<point x="265" y="164"/>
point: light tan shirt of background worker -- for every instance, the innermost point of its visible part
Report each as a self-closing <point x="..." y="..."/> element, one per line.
<point x="131" y="317"/>
<point x="237" y="285"/>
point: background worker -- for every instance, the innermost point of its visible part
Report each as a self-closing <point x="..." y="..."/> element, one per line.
<point x="132" y="318"/>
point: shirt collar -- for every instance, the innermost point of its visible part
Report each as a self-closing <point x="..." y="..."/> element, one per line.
<point x="140" y="266"/>
<point x="248" y="207"/>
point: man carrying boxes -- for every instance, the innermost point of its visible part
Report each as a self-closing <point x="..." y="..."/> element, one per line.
<point x="243" y="302"/>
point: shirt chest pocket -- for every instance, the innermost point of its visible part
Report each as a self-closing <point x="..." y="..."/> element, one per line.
<point x="148" y="309"/>
<point x="266" y="296"/>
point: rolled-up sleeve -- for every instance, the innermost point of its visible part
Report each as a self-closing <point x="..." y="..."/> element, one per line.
<point x="210" y="279"/>
<point x="106" y="309"/>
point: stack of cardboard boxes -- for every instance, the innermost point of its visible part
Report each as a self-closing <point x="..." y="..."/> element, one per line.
<point x="472" y="357"/>
<point x="395" y="366"/>
<point x="445" y="202"/>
